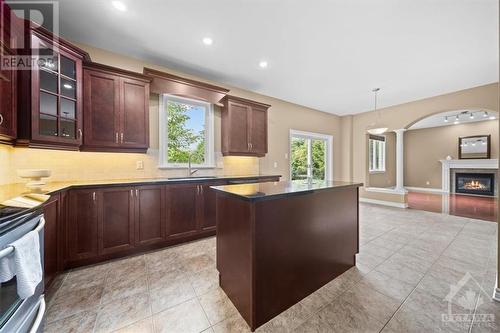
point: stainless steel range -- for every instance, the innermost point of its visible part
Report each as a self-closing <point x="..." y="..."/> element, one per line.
<point x="20" y="315"/>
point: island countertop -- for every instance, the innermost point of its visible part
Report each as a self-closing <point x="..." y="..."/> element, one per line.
<point x="276" y="190"/>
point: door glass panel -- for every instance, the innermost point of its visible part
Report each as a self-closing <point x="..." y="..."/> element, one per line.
<point x="68" y="67"/>
<point x="68" y="108"/>
<point x="68" y="88"/>
<point x="48" y="125"/>
<point x="48" y="81"/>
<point x="299" y="158"/>
<point x="68" y="129"/>
<point x="48" y="103"/>
<point x="308" y="157"/>
<point x="318" y="159"/>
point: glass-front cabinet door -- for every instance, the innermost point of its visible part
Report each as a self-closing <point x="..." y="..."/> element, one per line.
<point x="56" y="95"/>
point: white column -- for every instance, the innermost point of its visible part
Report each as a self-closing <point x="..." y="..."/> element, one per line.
<point x="400" y="159"/>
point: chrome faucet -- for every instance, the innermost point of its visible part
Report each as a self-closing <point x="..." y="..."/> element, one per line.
<point x="190" y="171"/>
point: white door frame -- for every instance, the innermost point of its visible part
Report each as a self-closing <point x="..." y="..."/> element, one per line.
<point x="312" y="135"/>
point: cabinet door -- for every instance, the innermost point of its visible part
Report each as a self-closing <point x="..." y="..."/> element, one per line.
<point x="51" y="212"/>
<point x="8" y="109"/>
<point x="236" y="128"/>
<point x="101" y="108"/>
<point x="134" y="115"/>
<point x="149" y="214"/>
<point x="258" y="130"/>
<point x="56" y="97"/>
<point x="208" y="197"/>
<point x="182" y="206"/>
<point x="116" y="219"/>
<point x="81" y="225"/>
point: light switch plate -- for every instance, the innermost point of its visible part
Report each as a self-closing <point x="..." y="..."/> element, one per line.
<point x="275" y="164"/>
<point x="139" y="165"/>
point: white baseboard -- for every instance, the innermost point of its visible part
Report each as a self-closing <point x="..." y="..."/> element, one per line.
<point x="424" y="189"/>
<point x="384" y="203"/>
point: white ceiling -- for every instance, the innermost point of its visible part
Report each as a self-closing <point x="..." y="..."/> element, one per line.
<point x="326" y="54"/>
<point x="438" y="120"/>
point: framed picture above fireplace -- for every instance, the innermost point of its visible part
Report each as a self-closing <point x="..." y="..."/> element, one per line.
<point x="474" y="147"/>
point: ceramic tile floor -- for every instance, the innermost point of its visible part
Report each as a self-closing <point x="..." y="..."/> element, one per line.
<point x="409" y="262"/>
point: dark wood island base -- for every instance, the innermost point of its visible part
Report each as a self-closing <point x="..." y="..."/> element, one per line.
<point x="279" y="242"/>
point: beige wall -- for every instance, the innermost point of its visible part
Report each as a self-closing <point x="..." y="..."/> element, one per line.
<point x="400" y="116"/>
<point x="425" y="147"/>
<point x="387" y="178"/>
<point x="283" y="116"/>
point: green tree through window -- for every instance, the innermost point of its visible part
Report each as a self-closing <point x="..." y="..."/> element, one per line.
<point x="186" y="133"/>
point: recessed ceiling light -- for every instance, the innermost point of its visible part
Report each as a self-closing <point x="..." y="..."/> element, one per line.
<point x="263" y="64"/>
<point x="119" y="5"/>
<point x="208" y="41"/>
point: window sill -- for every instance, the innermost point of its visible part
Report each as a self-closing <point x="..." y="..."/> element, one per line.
<point x="185" y="167"/>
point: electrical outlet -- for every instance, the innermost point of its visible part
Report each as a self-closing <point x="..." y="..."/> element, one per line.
<point x="275" y="165"/>
<point x="286" y="156"/>
<point x="139" y="165"/>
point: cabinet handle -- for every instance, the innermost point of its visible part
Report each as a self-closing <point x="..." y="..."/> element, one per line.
<point x="136" y="193"/>
<point x="1" y="119"/>
<point x="116" y="137"/>
<point x="132" y="193"/>
<point x="121" y="136"/>
<point x="201" y="189"/>
<point x="93" y="196"/>
<point x="80" y="133"/>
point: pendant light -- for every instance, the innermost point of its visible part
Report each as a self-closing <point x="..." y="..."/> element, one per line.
<point x="376" y="128"/>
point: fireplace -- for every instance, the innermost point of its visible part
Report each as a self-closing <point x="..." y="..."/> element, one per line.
<point x="475" y="183"/>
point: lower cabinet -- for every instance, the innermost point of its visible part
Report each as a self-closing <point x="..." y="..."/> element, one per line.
<point x="82" y="225"/>
<point x="149" y="214"/>
<point x="52" y="249"/>
<point x="182" y="213"/>
<point x="116" y="219"/>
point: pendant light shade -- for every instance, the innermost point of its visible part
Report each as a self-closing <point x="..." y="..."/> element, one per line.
<point x="376" y="128"/>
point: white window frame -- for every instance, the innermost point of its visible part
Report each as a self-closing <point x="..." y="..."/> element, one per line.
<point x="312" y="135"/>
<point x="373" y="160"/>
<point x="163" y="133"/>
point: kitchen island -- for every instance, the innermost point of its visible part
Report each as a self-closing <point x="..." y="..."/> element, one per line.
<point x="278" y="242"/>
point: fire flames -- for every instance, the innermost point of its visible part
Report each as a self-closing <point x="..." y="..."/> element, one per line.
<point x="474" y="185"/>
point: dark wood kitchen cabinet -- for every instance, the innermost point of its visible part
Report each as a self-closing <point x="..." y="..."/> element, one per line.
<point x="82" y="225"/>
<point x="182" y="209"/>
<point x="116" y="219"/>
<point x="244" y="127"/>
<point x="53" y="214"/>
<point x="208" y="205"/>
<point x="50" y="105"/>
<point x="149" y="214"/>
<point x="116" y="109"/>
<point x="8" y="101"/>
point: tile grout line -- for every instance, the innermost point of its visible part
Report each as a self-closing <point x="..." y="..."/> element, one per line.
<point x="425" y="274"/>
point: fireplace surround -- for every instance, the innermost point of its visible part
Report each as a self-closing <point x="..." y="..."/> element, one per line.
<point x="475" y="183"/>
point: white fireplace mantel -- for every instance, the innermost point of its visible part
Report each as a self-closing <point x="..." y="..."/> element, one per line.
<point x="447" y="165"/>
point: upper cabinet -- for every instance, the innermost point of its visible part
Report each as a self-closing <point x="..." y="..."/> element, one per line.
<point x="244" y="127"/>
<point x="51" y="116"/>
<point x="8" y="102"/>
<point x="116" y="109"/>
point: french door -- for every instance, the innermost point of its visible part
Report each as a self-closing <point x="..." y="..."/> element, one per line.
<point x="310" y="156"/>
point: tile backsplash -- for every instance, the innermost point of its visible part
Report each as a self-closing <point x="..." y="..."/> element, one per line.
<point x="67" y="165"/>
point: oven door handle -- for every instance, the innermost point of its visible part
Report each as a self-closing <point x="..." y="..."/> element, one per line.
<point x="39" y="315"/>
<point x="9" y="249"/>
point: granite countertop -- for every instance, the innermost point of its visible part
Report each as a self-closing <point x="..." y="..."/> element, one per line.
<point x="11" y="192"/>
<point x="276" y="190"/>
